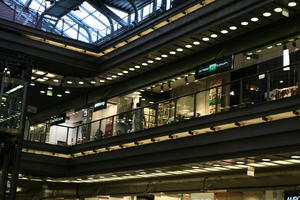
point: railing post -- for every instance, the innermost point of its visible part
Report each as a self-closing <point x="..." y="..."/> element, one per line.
<point x="195" y="104"/>
<point x="76" y="135"/>
<point x="297" y="68"/>
<point x="217" y="97"/>
<point x="268" y="85"/>
<point x="67" y="136"/>
<point x="241" y="92"/>
<point x="175" y="110"/>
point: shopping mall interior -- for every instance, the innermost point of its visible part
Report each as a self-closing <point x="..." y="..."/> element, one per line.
<point x="150" y="100"/>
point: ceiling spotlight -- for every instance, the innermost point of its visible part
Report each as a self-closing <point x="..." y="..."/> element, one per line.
<point x="158" y="58"/>
<point x="278" y="10"/>
<point x="114" y="76"/>
<point x="137" y="67"/>
<point x="50" y="88"/>
<point x="161" y="88"/>
<point x="240" y="162"/>
<point x="196" y="43"/>
<point x="120" y="74"/>
<point x="59" y="95"/>
<point x="269" y="47"/>
<point x="266" y="160"/>
<point x="102" y="81"/>
<point x="67" y="92"/>
<point x="150" y="61"/>
<point x="69" y="82"/>
<point x="267" y="14"/>
<point x="131" y="69"/>
<point x="195" y="167"/>
<point x="205" y="39"/>
<point x="292" y="4"/>
<point x="80" y="82"/>
<point x="233" y="28"/>
<point x="172" y="52"/>
<point x="295" y="157"/>
<point x="93" y="82"/>
<point x="158" y="171"/>
<point x="244" y="23"/>
<point x="32" y="84"/>
<point x="42" y="92"/>
<point x="179" y="49"/>
<point x="144" y="64"/>
<point x="127" y="174"/>
<point x="224" y="31"/>
<point x="56" y="80"/>
<point x="188" y="46"/>
<point x="254" y="19"/>
<point x="109" y="78"/>
<point x="216" y="165"/>
<point x="164" y="55"/>
<point x="114" y="175"/>
<point x="125" y="72"/>
<point x="45" y="78"/>
<point x="214" y="35"/>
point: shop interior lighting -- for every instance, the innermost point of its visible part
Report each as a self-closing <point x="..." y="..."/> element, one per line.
<point x="224" y="31"/>
<point x="195" y="167"/>
<point x="50" y="88"/>
<point x="196" y="43"/>
<point x="278" y="10"/>
<point x="244" y="23"/>
<point x="295" y="157"/>
<point x="150" y="61"/>
<point x="32" y="84"/>
<point x="56" y="80"/>
<point x="266" y="160"/>
<point x="269" y="47"/>
<point x="69" y="82"/>
<point x="172" y="52"/>
<point x="59" y="95"/>
<point x="205" y="39"/>
<point x="240" y="162"/>
<point x="125" y="72"/>
<point x="188" y="46"/>
<point x="254" y="19"/>
<point x="158" y="58"/>
<point x="42" y="92"/>
<point x="292" y="4"/>
<point x="179" y="49"/>
<point x="67" y="92"/>
<point x="267" y="14"/>
<point x="102" y="81"/>
<point x="80" y="82"/>
<point x="93" y="82"/>
<point x="144" y="64"/>
<point x="120" y="74"/>
<point x="131" y="69"/>
<point x="109" y="78"/>
<point x="233" y="28"/>
<point x="164" y="55"/>
<point x="214" y="35"/>
<point x="45" y="78"/>
<point x="137" y="67"/>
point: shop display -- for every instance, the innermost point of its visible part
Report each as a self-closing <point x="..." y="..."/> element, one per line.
<point x="215" y="96"/>
<point x="108" y="127"/>
<point x="149" y="115"/>
<point x="283" y="93"/>
<point x="165" y="113"/>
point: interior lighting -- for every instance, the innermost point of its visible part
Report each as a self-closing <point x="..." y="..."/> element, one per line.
<point x="279" y="44"/>
<point x="244" y="23"/>
<point x="80" y="82"/>
<point x="114" y="76"/>
<point x="267" y="14"/>
<point x="125" y="72"/>
<point x="150" y="61"/>
<point x="254" y="19"/>
<point x="50" y="88"/>
<point x="127" y="174"/>
<point x="295" y="157"/>
<point x="131" y="69"/>
<point x="45" y="78"/>
<point x="164" y="55"/>
<point x="214" y="35"/>
<point x="179" y="49"/>
<point x="42" y="92"/>
<point x="216" y="165"/>
<point x="240" y="162"/>
<point x="93" y="82"/>
<point x="137" y="67"/>
<point x="233" y="28"/>
<point x="32" y="84"/>
<point x="67" y="92"/>
<point x="266" y="160"/>
<point x="144" y="64"/>
<point x="143" y="173"/>
<point x="188" y="46"/>
<point x="69" y="82"/>
<point x="158" y="171"/>
<point x="172" y="52"/>
<point x="120" y="74"/>
<point x="195" y="167"/>
<point x="59" y="95"/>
<point x="196" y="43"/>
<point x="224" y="31"/>
<point x="109" y="78"/>
<point x="205" y="39"/>
<point x="158" y="58"/>
<point x="292" y="4"/>
<point x="278" y="10"/>
<point x="258" y="51"/>
<point x="269" y="47"/>
<point x="161" y="88"/>
<point x="114" y="175"/>
<point x="56" y="80"/>
<point x="102" y="81"/>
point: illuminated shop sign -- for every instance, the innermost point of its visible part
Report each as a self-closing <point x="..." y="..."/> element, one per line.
<point x="100" y="105"/>
<point x="218" y="66"/>
<point x="292" y="195"/>
<point x="58" y="119"/>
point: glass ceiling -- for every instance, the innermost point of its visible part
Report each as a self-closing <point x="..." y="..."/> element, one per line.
<point x="84" y="22"/>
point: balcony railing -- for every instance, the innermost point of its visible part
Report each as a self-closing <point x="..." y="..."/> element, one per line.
<point x="262" y="87"/>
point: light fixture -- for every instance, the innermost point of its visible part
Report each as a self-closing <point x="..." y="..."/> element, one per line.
<point x="93" y="82"/>
<point x="120" y="74"/>
<point x="216" y="165"/>
<point x="137" y="67"/>
<point x="188" y="46"/>
<point x="102" y="81"/>
<point x="164" y="55"/>
<point x="59" y="95"/>
<point x="170" y="86"/>
<point x="214" y="35"/>
<point x="50" y="88"/>
<point x="109" y="78"/>
<point x="144" y="64"/>
<point x="67" y="92"/>
<point x="258" y="51"/>
<point x="281" y="81"/>
<point x="80" y="82"/>
<point x="195" y="167"/>
<point x="161" y="88"/>
<point x="292" y="4"/>
<point x="295" y="157"/>
<point x="42" y="92"/>
<point x="233" y="28"/>
<point x="224" y="31"/>
<point x="269" y="47"/>
<point x="266" y="160"/>
<point x="248" y="58"/>
<point x="125" y="72"/>
<point x="254" y="19"/>
<point x="131" y="69"/>
<point x="240" y="162"/>
<point x="127" y="174"/>
<point x="278" y="10"/>
<point x="158" y="58"/>
<point x="32" y="84"/>
<point x="267" y="14"/>
<point x="196" y="43"/>
<point x="150" y="61"/>
<point x="186" y="81"/>
<point x="158" y="171"/>
<point x="45" y="78"/>
<point x="244" y="23"/>
<point x="143" y="173"/>
<point x="69" y="82"/>
<point x="286" y="56"/>
<point x="114" y="175"/>
<point x="172" y="52"/>
<point x="205" y="39"/>
<point x="179" y="49"/>
<point x="114" y="76"/>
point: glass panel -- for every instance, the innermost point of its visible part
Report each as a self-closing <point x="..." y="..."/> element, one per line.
<point x="58" y="135"/>
<point x="123" y="123"/>
<point x="107" y="127"/>
<point x="95" y="133"/>
<point x="138" y="119"/>
<point x="150" y="117"/>
<point x="185" y="108"/>
<point x="202" y="103"/>
<point x="166" y="113"/>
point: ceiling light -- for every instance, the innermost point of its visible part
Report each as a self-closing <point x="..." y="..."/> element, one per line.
<point x="267" y="14"/>
<point x="80" y="82"/>
<point x="205" y="39"/>
<point x="144" y="64"/>
<point x="179" y="49"/>
<point x="254" y="19"/>
<point x="150" y="61"/>
<point x="67" y="92"/>
<point x="216" y="165"/>
<point x="196" y="43"/>
<point x="69" y="82"/>
<point x="248" y="58"/>
<point x="42" y="92"/>
<point x="233" y="28"/>
<point x="127" y="174"/>
<point x="143" y="173"/>
<point x="56" y="80"/>
<point x="158" y="171"/>
<point x="224" y="31"/>
<point x="102" y="81"/>
<point x="114" y="175"/>
<point x="188" y="46"/>
<point x="32" y="84"/>
<point x="120" y="74"/>
<point x="59" y="95"/>
<point x="270" y="47"/>
<point x="266" y="160"/>
<point x="278" y="10"/>
<point x="295" y="157"/>
<point x="240" y="162"/>
<point x="50" y="88"/>
<point x="292" y="4"/>
<point x="258" y="51"/>
<point x="214" y="35"/>
<point x="45" y="78"/>
<point x="158" y="58"/>
<point x="114" y="76"/>
<point x="164" y="55"/>
<point x="172" y="52"/>
<point x="93" y="82"/>
<point x="109" y="78"/>
<point x="137" y="67"/>
<point x="131" y="69"/>
<point x="195" y="167"/>
<point x="244" y="23"/>
<point x="125" y="72"/>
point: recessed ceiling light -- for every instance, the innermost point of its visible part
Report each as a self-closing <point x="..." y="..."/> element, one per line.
<point x="158" y="58"/>
<point x="127" y="174"/>
<point x="59" y="95"/>
<point x="69" y="82"/>
<point x="254" y="19"/>
<point x="179" y="49"/>
<point x="248" y="58"/>
<point x="214" y="35"/>
<point x="295" y="157"/>
<point x="240" y="162"/>
<point x="205" y="39"/>
<point x="45" y="78"/>
<point x="56" y="80"/>
<point x="80" y="82"/>
<point x="258" y="51"/>
<point x="270" y="47"/>
<point x="42" y="92"/>
<point x="196" y="43"/>
<point x="143" y="173"/>
<point x="172" y="52"/>
<point x="131" y="69"/>
<point x="102" y="81"/>
<point x="217" y="165"/>
<point x="120" y="74"/>
<point x="224" y="31"/>
<point x="188" y="46"/>
<point x="266" y="160"/>
<point x="164" y="55"/>
<point x="32" y="84"/>
<point x="109" y="78"/>
<point x="50" y="88"/>
<point x="125" y="72"/>
<point x="244" y="23"/>
<point x="67" y="92"/>
<point x="144" y="64"/>
<point x="278" y="10"/>
<point x="137" y="66"/>
<point x="150" y="61"/>
<point x="114" y="175"/>
<point x="267" y="14"/>
<point x="93" y="82"/>
<point x="114" y="76"/>
<point x="233" y="28"/>
<point x="158" y="171"/>
<point x="292" y="4"/>
<point x="195" y="167"/>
